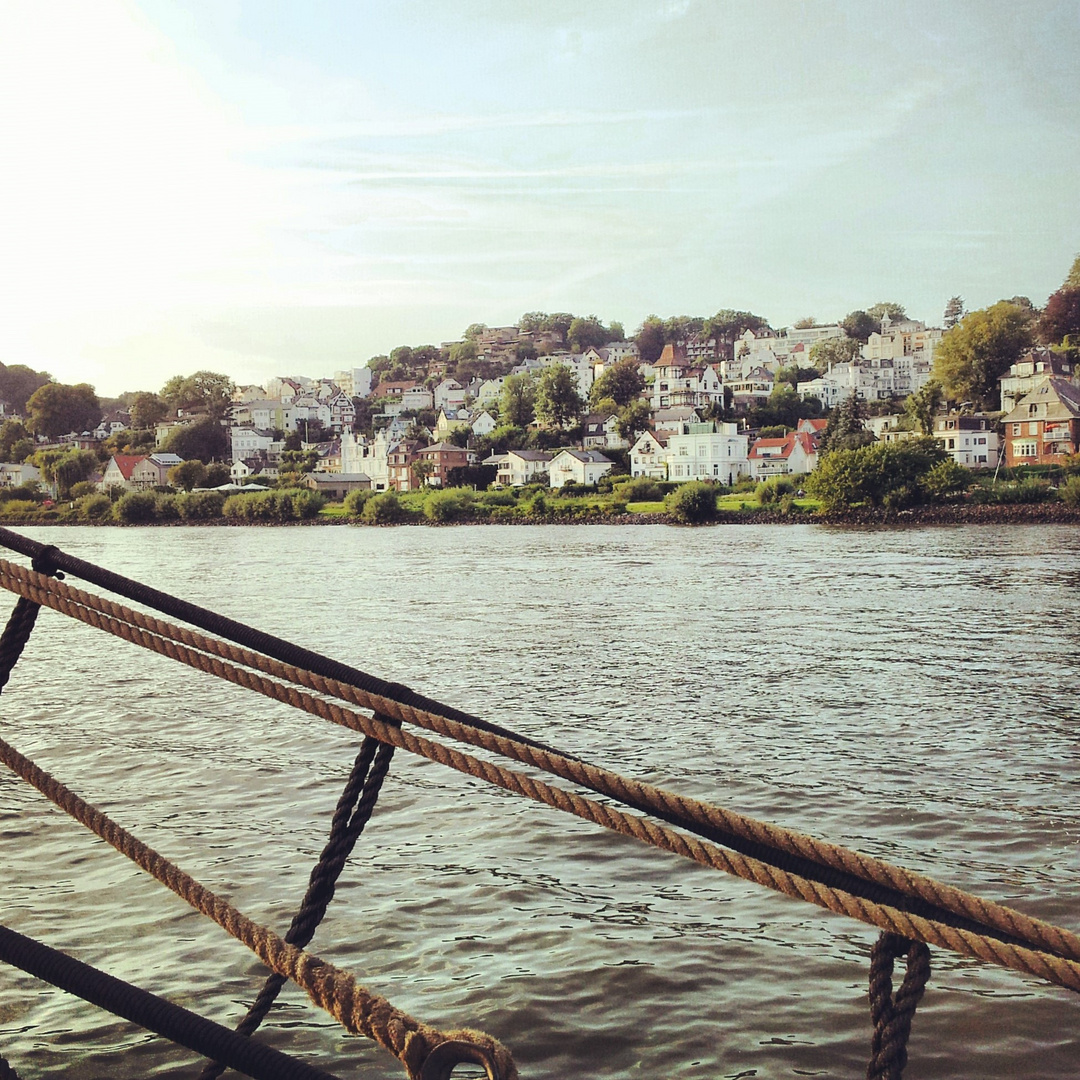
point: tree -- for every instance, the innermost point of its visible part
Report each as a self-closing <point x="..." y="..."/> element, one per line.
<point x="204" y="390"/>
<point x="794" y="374"/>
<point x="632" y="420"/>
<point x="650" y="339"/>
<point x="472" y="331"/>
<point x="954" y="312"/>
<point x="587" y="332"/>
<point x="558" y="401"/>
<point x="66" y="468"/>
<point x="834" y="351"/>
<point x="204" y="439"/>
<point x="616" y="332"/>
<point x="188" y="474"/>
<point x="922" y="406"/>
<point x="421" y="470"/>
<point x="461" y="351"/>
<point x="1072" y="281"/>
<point x="860" y="325"/>
<point x="18" y="383"/>
<point x="883" y="308"/>
<point x="680" y="327"/>
<point x="692" y="503"/>
<point x="977" y="351"/>
<point x="727" y="325"/>
<point x="56" y="409"/>
<point x="1059" y="323"/>
<point x="621" y="381"/>
<point x="881" y="474"/>
<point x="146" y="410"/>
<point x="517" y="401"/>
<point x="807" y="322"/>
<point x="11" y="432"/>
<point x="217" y="473"/>
<point x="845" y="429"/>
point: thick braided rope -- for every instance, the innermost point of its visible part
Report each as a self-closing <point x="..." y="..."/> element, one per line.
<point x="891" y="1015"/>
<point x="356" y="1008"/>
<point x="362" y="792"/>
<point x="1050" y="942"/>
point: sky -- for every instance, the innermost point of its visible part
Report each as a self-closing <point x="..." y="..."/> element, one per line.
<point x="268" y="187"/>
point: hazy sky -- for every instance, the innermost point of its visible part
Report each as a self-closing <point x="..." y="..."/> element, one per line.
<point x="269" y="186"/>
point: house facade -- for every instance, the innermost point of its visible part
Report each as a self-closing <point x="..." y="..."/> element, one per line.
<point x="709" y="451"/>
<point x="649" y="456"/>
<point x="969" y="440"/>
<point x="443" y="457"/>
<point x="1044" y="425"/>
<point x="578" y="467"/>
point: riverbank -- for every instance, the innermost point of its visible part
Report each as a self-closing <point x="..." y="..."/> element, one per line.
<point x="1046" y="513"/>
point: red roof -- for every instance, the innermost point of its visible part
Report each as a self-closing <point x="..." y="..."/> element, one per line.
<point x="126" y="462"/>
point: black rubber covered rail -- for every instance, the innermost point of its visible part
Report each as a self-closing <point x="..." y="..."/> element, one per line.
<point x="177" y="1024"/>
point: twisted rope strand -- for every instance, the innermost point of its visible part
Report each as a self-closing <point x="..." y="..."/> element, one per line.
<point x="357" y="1009"/>
<point x="1047" y="940"/>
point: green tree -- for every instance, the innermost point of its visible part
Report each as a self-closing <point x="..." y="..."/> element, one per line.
<point x="889" y="308"/>
<point x="877" y="475"/>
<point x="621" y="381"/>
<point x="65" y="468"/>
<point x="587" y="332"/>
<point x="558" y="401"/>
<point x="11" y="432"/>
<point x="834" y="351"/>
<point x="204" y="390"/>
<point x="807" y="322"/>
<point x="18" y="383"/>
<point x="692" y="503"/>
<point x="56" y="409"/>
<point x="845" y="429"/>
<point x="727" y="325"/>
<point x="860" y="325"/>
<point x="204" y="439"/>
<point x="517" y="401"/>
<point x="632" y="420"/>
<point x="1072" y="280"/>
<point x="472" y="331"/>
<point x="146" y="410"/>
<point x="954" y="312"/>
<point x="188" y="474"/>
<point x="217" y="473"/>
<point x="650" y="339"/>
<point x="421" y="470"/>
<point x="1059" y="322"/>
<point x="923" y="405"/>
<point x="977" y="351"/>
<point x="461" y="351"/>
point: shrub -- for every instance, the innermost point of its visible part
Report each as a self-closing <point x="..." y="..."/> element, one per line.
<point x="135" y="507"/>
<point x="201" y="505"/>
<point x="236" y="508"/>
<point x="306" y="504"/>
<point x="1024" y="491"/>
<point x="29" y="492"/>
<point x="383" y="509"/>
<point x="641" y="489"/>
<point x="774" y="489"/>
<point x="20" y="508"/>
<point x="537" y="505"/>
<point x="450" y="504"/>
<point x="83" y="488"/>
<point x="498" y="498"/>
<point x="878" y="474"/>
<point x="95" y="507"/>
<point x="745" y="483"/>
<point x="1070" y="491"/>
<point x="945" y="479"/>
<point x="165" y="508"/>
<point x="355" y="500"/>
<point x="693" y="503"/>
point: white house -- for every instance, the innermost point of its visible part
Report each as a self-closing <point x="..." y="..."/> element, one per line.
<point x="969" y="440"/>
<point x="252" y="442"/>
<point x="709" y="451"/>
<point x="516" y="468"/>
<point x="450" y="395"/>
<point x="577" y="466"/>
<point x="795" y="453"/>
<point x="649" y="456"/>
<point x="601" y="431"/>
<point x="370" y="456"/>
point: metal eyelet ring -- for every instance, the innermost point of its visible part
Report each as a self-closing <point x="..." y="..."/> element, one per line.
<point x="440" y="1063"/>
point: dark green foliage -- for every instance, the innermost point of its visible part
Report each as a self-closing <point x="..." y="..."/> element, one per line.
<point x="383" y="509"/>
<point x="878" y="475"/>
<point x="201" y="505"/>
<point x="774" y="489"/>
<point x="204" y="439"/>
<point x="94" y="507"/>
<point x="845" y="430"/>
<point x="1070" y="491"/>
<point x="356" y="500"/>
<point x="448" y="504"/>
<point x="288" y="504"/>
<point x="1030" y="490"/>
<point x="641" y="489"/>
<point x="693" y="503"/>
<point x="136" y="508"/>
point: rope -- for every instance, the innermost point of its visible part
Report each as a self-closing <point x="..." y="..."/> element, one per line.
<point x="892" y="1016"/>
<point x="804" y="856"/>
<point x="362" y="791"/>
<point x="1003" y="936"/>
<point x="356" y="1008"/>
<point x="151" y="1012"/>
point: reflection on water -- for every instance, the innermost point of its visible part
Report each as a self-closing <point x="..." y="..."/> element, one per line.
<point x="909" y="693"/>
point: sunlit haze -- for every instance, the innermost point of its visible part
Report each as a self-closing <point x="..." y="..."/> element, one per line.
<point x="261" y="187"/>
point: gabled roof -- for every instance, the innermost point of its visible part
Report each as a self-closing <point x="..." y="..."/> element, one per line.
<point x="587" y="456"/>
<point x="531" y="455"/>
<point x="1061" y="397"/>
<point x="126" y="462"/>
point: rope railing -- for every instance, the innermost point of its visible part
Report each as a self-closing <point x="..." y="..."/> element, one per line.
<point x="908" y="908"/>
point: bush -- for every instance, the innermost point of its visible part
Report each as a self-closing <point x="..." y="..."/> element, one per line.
<point x="201" y="505"/>
<point x="1024" y="491"/>
<point x="83" y="488"/>
<point x="355" y="500"/>
<point x="945" y="479"/>
<point x="135" y="507"/>
<point x="537" y="505"/>
<point x="498" y="498"/>
<point x="774" y="489"/>
<point x="166" y="509"/>
<point x="693" y="503"/>
<point x="95" y="507"/>
<point x="1070" y="491"/>
<point x="878" y="474"/>
<point x="449" y="504"/>
<point x="29" y="492"/>
<point x="641" y="489"/>
<point x="383" y="509"/>
<point x="306" y="504"/>
<point x="15" y="508"/>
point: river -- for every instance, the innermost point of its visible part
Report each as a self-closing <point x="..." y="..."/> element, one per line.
<point x="908" y="692"/>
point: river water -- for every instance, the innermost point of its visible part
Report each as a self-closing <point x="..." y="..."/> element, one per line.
<point x="911" y="693"/>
